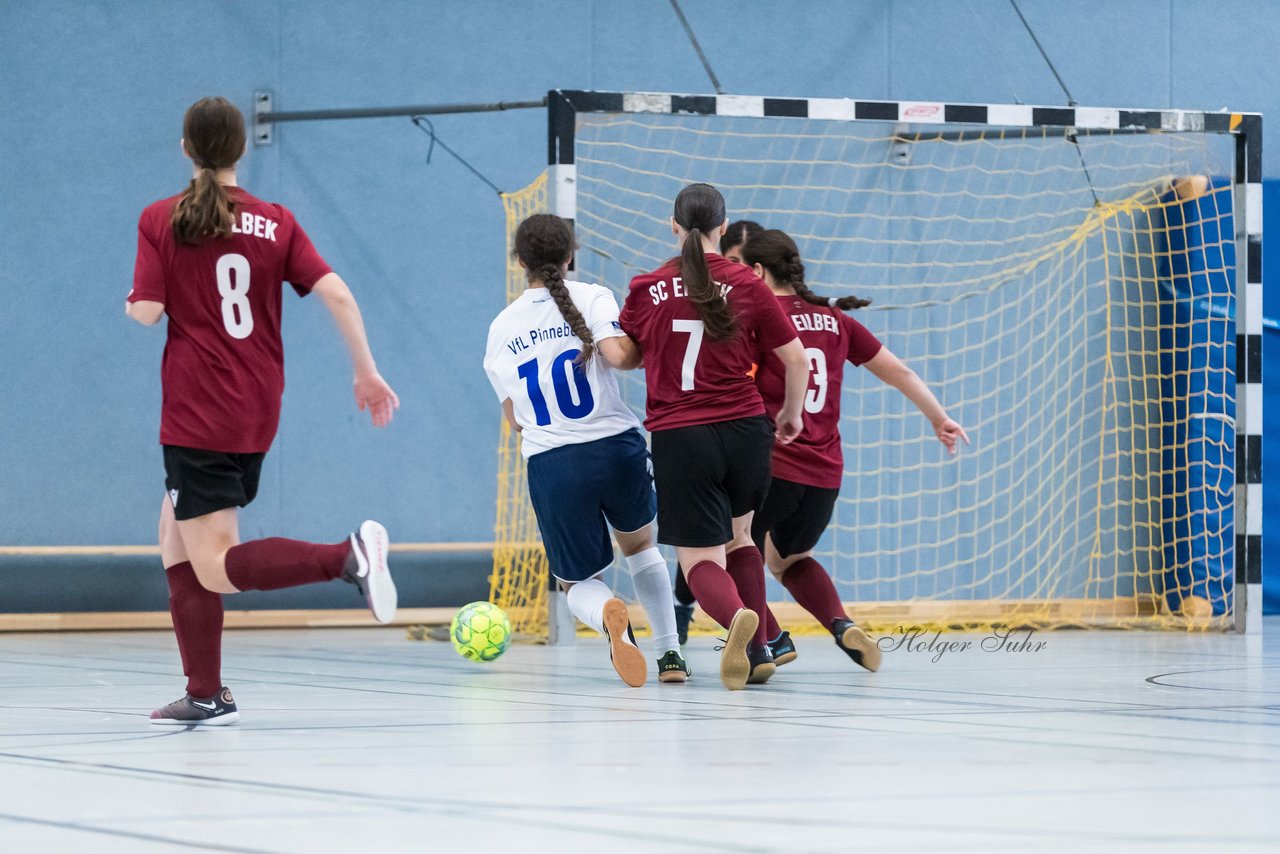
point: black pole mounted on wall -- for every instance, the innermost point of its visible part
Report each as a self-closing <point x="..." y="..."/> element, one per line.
<point x="265" y="117"/>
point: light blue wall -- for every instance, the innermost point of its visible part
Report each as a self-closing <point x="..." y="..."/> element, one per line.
<point x="91" y="97"/>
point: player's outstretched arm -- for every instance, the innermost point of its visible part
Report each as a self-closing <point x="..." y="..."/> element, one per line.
<point x="371" y="390"/>
<point x="621" y="352"/>
<point x="145" y="311"/>
<point x="789" y="421"/>
<point x="891" y="370"/>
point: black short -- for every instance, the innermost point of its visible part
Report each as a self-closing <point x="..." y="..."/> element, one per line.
<point x="794" y="516"/>
<point x="202" y="482"/>
<point x="707" y="475"/>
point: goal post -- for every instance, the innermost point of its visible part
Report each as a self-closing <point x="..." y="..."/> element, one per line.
<point x="1081" y="287"/>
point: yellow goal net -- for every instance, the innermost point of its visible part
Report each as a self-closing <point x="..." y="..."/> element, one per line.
<point x="1069" y="295"/>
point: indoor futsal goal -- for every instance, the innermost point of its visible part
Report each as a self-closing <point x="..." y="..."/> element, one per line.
<point x="1080" y="287"/>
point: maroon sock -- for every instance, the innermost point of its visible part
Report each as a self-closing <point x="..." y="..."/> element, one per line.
<point x="746" y="567"/>
<point x="197" y="621"/>
<point x="771" y="628"/>
<point x="812" y="586"/>
<point x="714" y="590"/>
<point x="276" y="563"/>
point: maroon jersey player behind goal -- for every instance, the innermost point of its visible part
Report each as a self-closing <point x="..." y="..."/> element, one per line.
<point x="698" y="320"/>
<point x="214" y="259"/>
<point x="807" y="472"/>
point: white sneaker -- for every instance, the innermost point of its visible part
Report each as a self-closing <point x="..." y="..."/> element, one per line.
<point x="370" y="573"/>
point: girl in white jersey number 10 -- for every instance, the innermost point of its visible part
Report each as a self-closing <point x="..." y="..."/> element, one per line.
<point x="588" y="463"/>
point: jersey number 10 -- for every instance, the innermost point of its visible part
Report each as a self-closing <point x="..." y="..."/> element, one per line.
<point x="561" y="368"/>
<point x="236" y="316"/>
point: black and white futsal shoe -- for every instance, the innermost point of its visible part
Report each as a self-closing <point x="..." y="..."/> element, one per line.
<point x="218" y="710"/>
<point x="856" y="644"/>
<point x="367" y="569"/>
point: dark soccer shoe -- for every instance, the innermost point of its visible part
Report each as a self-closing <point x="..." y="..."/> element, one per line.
<point x="672" y="668"/>
<point x="366" y="568"/>
<point x="762" y="664"/>
<point x="783" y="649"/>
<point x="856" y="644"/>
<point x="684" y="616"/>
<point x="218" y="710"/>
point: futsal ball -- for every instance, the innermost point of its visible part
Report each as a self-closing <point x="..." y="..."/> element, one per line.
<point x="480" y="631"/>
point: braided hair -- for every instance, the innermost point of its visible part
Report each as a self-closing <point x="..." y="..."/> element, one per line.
<point x="699" y="210"/>
<point x="777" y="252"/>
<point x="544" y="244"/>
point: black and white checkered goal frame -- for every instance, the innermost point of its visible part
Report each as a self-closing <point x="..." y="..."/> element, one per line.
<point x="1245" y="128"/>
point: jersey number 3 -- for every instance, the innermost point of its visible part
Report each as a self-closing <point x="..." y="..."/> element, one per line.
<point x="816" y="398"/>
<point x="233" y="284"/>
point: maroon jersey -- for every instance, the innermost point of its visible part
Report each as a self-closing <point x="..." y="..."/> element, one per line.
<point x="816" y="457"/>
<point x="690" y="378"/>
<point x="223" y="370"/>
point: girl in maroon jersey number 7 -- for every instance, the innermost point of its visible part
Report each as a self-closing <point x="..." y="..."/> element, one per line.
<point x="699" y="320"/>
<point x="214" y="259"/>
<point x="807" y="472"/>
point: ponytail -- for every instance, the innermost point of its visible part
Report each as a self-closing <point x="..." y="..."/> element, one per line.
<point x="699" y="208"/>
<point x="213" y="136"/>
<point x="544" y="244"/>
<point x="204" y="210"/>
<point x="777" y="252"/>
<point x="713" y="308"/>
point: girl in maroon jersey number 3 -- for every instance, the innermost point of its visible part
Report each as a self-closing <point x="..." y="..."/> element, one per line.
<point x="214" y="259"/>
<point x="807" y="472"/>
<point x="699" y="320"/>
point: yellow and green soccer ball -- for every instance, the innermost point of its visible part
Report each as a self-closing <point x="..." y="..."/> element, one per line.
<point x="480" y="631"/>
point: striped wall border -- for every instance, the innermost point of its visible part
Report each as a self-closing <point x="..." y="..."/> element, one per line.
<point x="563" y="105"/>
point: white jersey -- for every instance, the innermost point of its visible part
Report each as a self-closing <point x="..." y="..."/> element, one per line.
<point x="529" y="359"/>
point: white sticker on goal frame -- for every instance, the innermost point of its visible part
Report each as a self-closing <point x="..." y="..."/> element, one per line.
<point x="1095" y="117"/>
<point x="646" y="102"/>
<point x="739" y="105"/>
<point x="840" y="109"/>
<point x="1010" y="115"/>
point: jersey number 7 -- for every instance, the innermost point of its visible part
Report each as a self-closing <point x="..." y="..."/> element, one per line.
<point x="696" y="329"/>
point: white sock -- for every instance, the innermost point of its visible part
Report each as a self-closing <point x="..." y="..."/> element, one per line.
<point x="586" y="602"/>
<point x="652" y="581"/>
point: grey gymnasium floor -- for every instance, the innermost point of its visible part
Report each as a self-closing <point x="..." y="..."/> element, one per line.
<point x="361" y="740"/>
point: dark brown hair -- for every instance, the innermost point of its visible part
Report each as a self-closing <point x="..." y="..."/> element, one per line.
<point x="739" y="233"/>
<point x="699" y="210"/>
<point x="544" y="244"/>
<point x="213" y="133"/>
<point x="777" y="252"/>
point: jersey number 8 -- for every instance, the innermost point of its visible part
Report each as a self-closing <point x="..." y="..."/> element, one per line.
<point x="236" y="316"/>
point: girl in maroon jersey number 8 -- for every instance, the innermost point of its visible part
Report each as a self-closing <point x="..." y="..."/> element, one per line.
<point x="214" y="259"/>
<point x="699" y="321"/>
